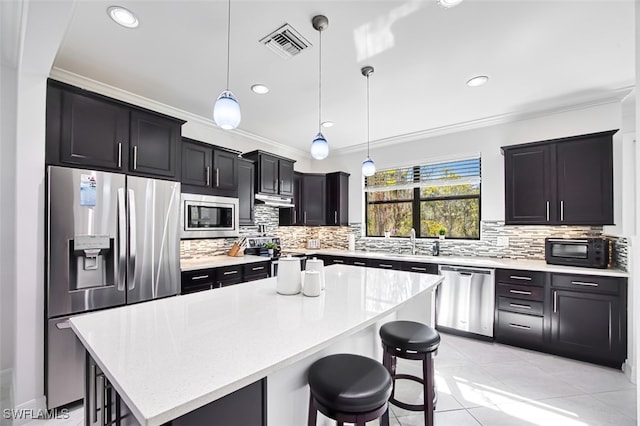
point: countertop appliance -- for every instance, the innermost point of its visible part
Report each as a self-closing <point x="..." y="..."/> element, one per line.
<point x="208" y="216"/>
<point x="111" y="240"/>
<point x="465" y="300"/>
<point x="587" y="252"/>
<point x="256" y="247"/>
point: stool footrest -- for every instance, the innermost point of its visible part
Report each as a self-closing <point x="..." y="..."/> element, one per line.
<point x="408" y="377"/>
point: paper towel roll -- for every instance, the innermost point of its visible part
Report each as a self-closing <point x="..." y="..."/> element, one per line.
<point x="352" y="242"/>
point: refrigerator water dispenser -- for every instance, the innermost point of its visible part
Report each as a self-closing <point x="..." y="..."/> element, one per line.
<point x="91" y="261"/>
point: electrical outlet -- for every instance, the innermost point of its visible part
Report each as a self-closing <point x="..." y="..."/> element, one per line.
<point x="502" y="242"/>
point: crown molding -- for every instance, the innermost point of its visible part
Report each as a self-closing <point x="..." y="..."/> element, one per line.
<point x="614" y="96"/>
<point x="125" y="96"/>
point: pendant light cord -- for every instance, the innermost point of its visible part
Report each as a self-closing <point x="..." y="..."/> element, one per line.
<point x="368" y="115"/>
<point x="320" y="85"/>
<point x="228" y="39"/>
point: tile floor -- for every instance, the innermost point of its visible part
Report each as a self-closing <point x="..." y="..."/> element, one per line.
<point x="481" y="383"/>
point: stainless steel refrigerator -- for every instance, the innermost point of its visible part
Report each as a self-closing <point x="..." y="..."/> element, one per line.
<point x="111" y="240"/>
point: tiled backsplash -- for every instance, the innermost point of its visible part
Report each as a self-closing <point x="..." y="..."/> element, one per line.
<point x="525" y="242"/>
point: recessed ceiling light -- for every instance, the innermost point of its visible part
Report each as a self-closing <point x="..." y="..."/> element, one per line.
<point x="327" y="124"/>
<point x="448" y="3"/>
<point x="477" y="81"/>
<point x="123" y="16"/>
<point x="260" y="89"/>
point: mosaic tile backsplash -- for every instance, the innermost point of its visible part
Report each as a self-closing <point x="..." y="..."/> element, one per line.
<point x="525" y="242"/>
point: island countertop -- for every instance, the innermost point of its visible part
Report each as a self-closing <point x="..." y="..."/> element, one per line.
<point x="171" y="356"/>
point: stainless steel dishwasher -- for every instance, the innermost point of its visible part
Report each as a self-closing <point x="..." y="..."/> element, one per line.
<point x="465" y="300"/>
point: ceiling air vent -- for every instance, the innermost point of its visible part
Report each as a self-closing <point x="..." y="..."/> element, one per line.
<point x="286" y="41"/>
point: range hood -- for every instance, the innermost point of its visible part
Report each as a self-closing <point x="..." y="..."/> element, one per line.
<point x="274" y="200"/>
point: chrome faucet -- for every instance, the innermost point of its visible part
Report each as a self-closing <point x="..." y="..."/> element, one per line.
<point x="412" y="238"/>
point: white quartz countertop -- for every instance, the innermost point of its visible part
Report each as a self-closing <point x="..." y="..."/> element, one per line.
<point x="482" y="262"/>
<point x="217" y="261"/>
<point x="171" y="356"/>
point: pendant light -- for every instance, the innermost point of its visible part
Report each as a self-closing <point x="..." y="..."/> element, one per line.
<point x="226" y="111"/>
<point x="320" y="146"/>
<point x="368" y="166"/>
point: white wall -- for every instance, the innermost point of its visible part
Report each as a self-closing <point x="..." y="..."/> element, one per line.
<point x="484" y="140"/>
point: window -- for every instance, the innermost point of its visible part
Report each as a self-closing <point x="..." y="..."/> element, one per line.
<point x="428" y="198"/>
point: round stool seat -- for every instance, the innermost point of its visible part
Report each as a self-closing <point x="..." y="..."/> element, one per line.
<point x="410" y="335"/>
<point x="349" y="383"/>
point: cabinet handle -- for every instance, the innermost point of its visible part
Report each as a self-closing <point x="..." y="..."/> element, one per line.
<point x="199" y="277"/>
<point x="518" y="277"/>
<point x="519" y="292"/>
<point x="119" y="155"/>
<point x="294" y="216"/>
<point x="555" y="301"/>
<point x="230" y="272"/>
<point x="359" y="263"/>
<point x="561" y="211"/>
<point x="335" y="217"/>
<point x="217" y="177"/>
<point x="338" y="261"/>
<point x="385" y="265"/>
<point x="305" y="218"/>
<point x="523" y="327"/>
<point x="208" y="175"/>
<point x="517" y="305"/>
<point x="135" y="157"/>
<point x="547" y="211"/>
<point x="416" y="268"/>
<point x="584" y="283"/>
<point x="257" y="268"/>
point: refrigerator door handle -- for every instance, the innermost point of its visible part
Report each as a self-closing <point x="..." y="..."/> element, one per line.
<point x="132" y="238"/>
<point x="122" y="238"/>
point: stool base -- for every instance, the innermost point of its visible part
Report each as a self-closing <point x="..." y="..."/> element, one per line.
<point x="358" y="419"/>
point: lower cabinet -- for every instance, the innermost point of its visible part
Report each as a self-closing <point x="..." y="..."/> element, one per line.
<point x="588" y="318"/>
<point x="210" y="278"/>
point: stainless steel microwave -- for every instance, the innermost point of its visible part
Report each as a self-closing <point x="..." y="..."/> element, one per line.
<point x="587" y="252"/>
<point x="207" y="216"/>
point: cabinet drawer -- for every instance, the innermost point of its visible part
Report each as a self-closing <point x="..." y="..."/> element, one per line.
<point x="252" y="269"/>
<point x="520" y="277"/>
<point x="198" y="277"/>
<point x="384" y="264"/>
<point x="520" y="291"/>
<point x="228" y="273"/>
<point x="423" y="268"/>
<point x="520" y="327"/>
<point x="520" y="306"/>
<point x="590" y="283"/>
<point x="357" y="261"/>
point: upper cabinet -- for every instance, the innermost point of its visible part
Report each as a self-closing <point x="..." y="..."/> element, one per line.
<point x="274" y="174"/>
<point x="208" y="169"/>
<point x="566" y="181"/>
<point x="89" y="130"/>
<point x="246" y="181"/>
<point x="338" y="198"/>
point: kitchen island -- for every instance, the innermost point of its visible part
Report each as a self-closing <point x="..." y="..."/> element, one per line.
<point x="169" y="357"/>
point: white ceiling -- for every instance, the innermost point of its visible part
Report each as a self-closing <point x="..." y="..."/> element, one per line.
<point x="539" y="55"/>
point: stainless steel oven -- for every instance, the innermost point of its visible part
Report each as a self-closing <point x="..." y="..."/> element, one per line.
<point x="207" y="216"/>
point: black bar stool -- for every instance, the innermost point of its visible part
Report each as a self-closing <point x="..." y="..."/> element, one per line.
<point x="411" y="340"/>
<point x="349" y="388"/>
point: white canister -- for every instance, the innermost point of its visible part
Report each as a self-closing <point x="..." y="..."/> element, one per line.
<point x="316" y="264"/>
<point x="312" y="286"/>
<point x="289" y="280"/>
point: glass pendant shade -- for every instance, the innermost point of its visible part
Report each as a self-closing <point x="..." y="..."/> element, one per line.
<point x="368" y="167"/>
<point x="226" y="111"/>
<point x="319" y="147"/>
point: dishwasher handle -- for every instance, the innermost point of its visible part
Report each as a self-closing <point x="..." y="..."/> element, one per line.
<point x="465" y="270"/>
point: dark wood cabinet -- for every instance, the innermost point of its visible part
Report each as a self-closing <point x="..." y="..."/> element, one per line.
<point x="567" y="181"/>
<point x="154" y="143"/>
<point x="337" y="199"/>
<point x="88" y="130"/>
<point x="208" y="169"/>
<point x="274" y="174"/>
<point x="313" y="199"/>
<point x="588" y="318"/>
<point x="246" y="176"/>
<point x="519" y="308"/>
<point x="293" y="215"/>
<point x="211" y="278"/>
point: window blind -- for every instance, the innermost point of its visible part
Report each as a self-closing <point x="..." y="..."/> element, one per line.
<point x="459" y="172"/>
